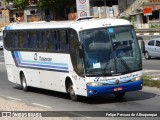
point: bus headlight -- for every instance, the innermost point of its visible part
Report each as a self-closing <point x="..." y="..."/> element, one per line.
<point x="94" y="84"/>
<point x="137" y="78"/>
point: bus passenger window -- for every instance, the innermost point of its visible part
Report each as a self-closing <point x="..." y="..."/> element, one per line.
<point x="15" y="40"/>
<point x="56" y="40"/>
<point x="50" y="40"/>
<point x="63" y="40"/>
<point x="8" y="40"/>
<point x="25" y="42"/>
<point x="32" y="39"/>
<point x="41" y="41"/>
<point x="20" y="40"/>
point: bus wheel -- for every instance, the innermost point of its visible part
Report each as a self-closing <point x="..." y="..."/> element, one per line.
<point x="72" y="94"/>
<point x="24" y="83"/>
<point x="119" y="94"/>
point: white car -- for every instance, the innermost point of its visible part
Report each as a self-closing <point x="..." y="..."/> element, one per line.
<point x="1" y="40"/>
<point x="152" y="49"/>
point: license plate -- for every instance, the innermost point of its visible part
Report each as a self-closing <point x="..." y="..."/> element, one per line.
<point x="118" y="89"/>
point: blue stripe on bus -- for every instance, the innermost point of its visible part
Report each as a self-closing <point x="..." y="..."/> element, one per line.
<point x="39" y="62"/>
<point x="109" y="89"/>
<point x="33" y="65"/>
<point x="8" y="28"/>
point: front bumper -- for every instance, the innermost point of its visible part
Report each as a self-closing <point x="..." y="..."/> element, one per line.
<point x="109" y="89"/>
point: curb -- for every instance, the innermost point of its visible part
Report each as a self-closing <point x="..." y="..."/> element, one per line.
<point x="155" y="74"/>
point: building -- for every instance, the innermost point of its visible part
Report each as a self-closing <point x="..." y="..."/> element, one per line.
<point x="97" y="8"/>
<point x="4" y="14"/>
<point x="149" y="16"/>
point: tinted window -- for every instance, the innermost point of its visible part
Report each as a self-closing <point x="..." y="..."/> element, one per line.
<point x="63" y="40"/>
<point x="75" y="52"/>
<point x="25" y="41"/>
<point x="15" y="40"/>
<point x="41" y="41"/>
<point x="151" y="43"/>
<point x="8" y="39"/>
<point x="31" y="38"/>
<point x="57" y="42"/>
<point x="158" y="43"/>
<point x="21" y="40"/>
<point x="50" y="40"/>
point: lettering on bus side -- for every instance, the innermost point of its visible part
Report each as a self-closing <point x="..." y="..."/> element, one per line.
<point x="42" y="58"/>
<point x="45" y="59"/>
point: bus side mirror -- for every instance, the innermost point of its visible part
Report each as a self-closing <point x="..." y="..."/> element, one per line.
<point x="139" y="38"/>
<point x="80" y="53"/>
<point x="142" y="44"/>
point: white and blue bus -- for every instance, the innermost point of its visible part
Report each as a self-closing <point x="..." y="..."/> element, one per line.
<point x="86" y="57"/>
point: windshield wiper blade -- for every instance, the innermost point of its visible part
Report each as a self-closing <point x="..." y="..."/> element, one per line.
<point x="107" y="71"/>
<point x="124" y="63"/>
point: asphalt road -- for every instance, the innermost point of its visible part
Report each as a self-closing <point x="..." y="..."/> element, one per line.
<point x="147" y="99"/>
<point x="151" y="64"/>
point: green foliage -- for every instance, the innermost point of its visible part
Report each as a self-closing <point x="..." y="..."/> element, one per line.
<point x="51" y="4"/>
<point x="155" y="26"/>
<point x="151" y="83"/>
<point x="125" y="17"/>
<point x="18" y="3"/>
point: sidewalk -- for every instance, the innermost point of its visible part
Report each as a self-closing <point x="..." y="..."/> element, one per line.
<point x="8" y="105"/>
<point x="154" y="73"/>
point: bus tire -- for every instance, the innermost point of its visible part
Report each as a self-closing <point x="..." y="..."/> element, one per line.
<point x="23" y="82"/>
<point x="119" y="94"/>
<point x="71" y="91"/>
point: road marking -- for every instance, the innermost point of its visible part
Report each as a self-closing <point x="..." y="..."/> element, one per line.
<point x="77" y="114"/>
<point x="147" y="70"/>
<point x="13" y="98"/>
<point x="41" y="105"/>
<point x="1" y="63"/>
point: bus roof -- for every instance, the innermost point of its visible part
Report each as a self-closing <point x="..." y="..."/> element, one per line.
<point x="78" y="25"/>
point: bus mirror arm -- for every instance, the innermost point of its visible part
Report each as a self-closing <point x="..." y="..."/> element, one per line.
<point x="139" y="38"/>
<point x="81" y="50"/>
<point x="142" y="44"/>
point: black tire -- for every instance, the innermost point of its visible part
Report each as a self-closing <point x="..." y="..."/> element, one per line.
<point x="71" y="91"/>
<point x="147" y="56"/>
<point x="119" y="94"/>
<point x="24" y="83"/>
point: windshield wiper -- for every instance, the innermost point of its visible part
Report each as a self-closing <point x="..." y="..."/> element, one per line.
<point x="105" y="69"/>
<point x="123" y="62"/>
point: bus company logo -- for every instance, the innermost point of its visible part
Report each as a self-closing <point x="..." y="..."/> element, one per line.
<point x="117" y="81"/>
<point x="96" y="79"/>
<point x="6" y="114"/>
<point x="82" y="1"/>
<point x="35" y="56"/>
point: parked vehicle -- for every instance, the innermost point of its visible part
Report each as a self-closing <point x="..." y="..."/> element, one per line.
<point x="152" y="49"/>
<point x="1" y="40"/>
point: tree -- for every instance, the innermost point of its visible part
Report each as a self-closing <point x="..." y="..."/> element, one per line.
<point x="53" y="5"/>
<point x="19" y="4"/>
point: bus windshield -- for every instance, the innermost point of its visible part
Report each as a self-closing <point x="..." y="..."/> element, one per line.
<point x="111" y="51"/>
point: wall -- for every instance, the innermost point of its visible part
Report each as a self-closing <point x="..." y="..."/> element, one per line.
<point x="4" y="16"/>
